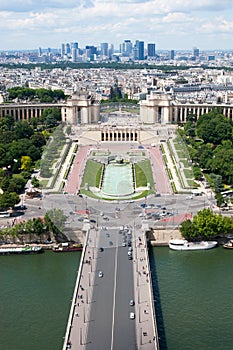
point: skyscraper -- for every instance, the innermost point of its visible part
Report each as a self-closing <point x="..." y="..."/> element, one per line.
<point x="126" y="48"/>
<point x="150" y="50"/>
<point x="62" y="49"/>
<point x="139" y="50"/>
<point x="104" y="49"/>
<point x="74" y="54"/>
<point x="67" y="49"/>
<point x="171" y="55"/>
<point x="195" y="52"/>
<point x="75" y="45"/>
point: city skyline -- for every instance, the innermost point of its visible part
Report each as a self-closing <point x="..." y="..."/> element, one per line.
<point x="177" y="25"/>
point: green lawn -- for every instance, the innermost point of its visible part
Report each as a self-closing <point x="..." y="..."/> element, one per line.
<point x="93" y="171"/>
<point x="144" y="174"/>
<point x="188" y="173"/>
<point x="185" y="163"/>
<point x="92" y="174"/>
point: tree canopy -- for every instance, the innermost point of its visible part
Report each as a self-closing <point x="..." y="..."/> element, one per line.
<point x="41" y="94"/>
<point x="206" y="225"/>
<point x="214" y="128"/>
<point x="210" y="142"/>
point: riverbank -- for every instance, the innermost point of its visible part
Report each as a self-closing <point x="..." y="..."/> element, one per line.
<point x="158" y="237"/>
<point x="42" y="245"/>
<point x="161" y="237"/>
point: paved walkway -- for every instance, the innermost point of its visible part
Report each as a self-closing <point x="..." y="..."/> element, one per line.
<point x="78" y="321"/>
<point x="75" y="177"/>
<point x="160" y="176"/>
<point x="146" y="327"/>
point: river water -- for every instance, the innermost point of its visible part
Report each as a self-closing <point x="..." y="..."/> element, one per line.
<point x="193" y="292"/>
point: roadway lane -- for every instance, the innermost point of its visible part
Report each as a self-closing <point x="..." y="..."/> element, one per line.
<point x="100" y="326"/>
<point x="124" y="327"/>
<point x="110" y="327"/>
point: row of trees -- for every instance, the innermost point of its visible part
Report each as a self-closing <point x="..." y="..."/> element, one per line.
<point x="21" y="146"/>
<point x="206" y="225"/>
<point x="52" y="225"/>
<point x="42" y="95"/>
<point x="52" y="151"/>
<point x="210" y="142"/>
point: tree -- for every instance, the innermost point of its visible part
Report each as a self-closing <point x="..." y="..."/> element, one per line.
<point x="197" y="173"/>
<point x="186" y="229"/>
<point x="38" y="140"/>
<point x="26" y="163"/>
<point x="8" y="200"/>
<point x="55" y="220"/>
<point x="207" y="224"/>
<point x="22" y="130"/>
<point x="35" y="182"/>
<point x="17" y="183"/>
<point x="7" y="123"/>
<point x="214" y="127"/>
<point x="222" y="163"/>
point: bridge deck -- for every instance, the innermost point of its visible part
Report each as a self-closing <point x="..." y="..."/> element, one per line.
<point x="87" y="314"/>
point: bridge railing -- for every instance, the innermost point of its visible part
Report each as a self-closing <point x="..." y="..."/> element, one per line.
<point x="71" y="315"/>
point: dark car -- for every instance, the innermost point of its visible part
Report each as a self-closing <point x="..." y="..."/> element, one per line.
<point x="143" y="205"/>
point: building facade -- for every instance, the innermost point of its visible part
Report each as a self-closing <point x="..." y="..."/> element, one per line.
<point x="161" y="108"/>
<point x="83" y="109"/>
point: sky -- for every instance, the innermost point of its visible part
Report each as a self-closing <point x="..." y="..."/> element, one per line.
<point x="171" y="24"/>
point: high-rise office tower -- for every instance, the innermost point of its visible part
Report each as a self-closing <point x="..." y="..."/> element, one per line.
<point x="195" y="52"/>
<point x="104" y="49"/>
<point x="63" y="51"/>
<point x="128" y="47"/>
<point x="67" y="49"/>
<point x="171" y="55"/>
<point x="150" y="50"/>
<point x="91" y="49"/>
<point x="110" y="50"/>
<point x="75" y="45"/>
<point x="135" y="52"/>
<point x="74" y="54"/>
<point x="139" y="50"/>
<point x="39" y="52"/>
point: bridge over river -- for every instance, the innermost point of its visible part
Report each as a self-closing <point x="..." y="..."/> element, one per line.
<point x="101" y="315"/>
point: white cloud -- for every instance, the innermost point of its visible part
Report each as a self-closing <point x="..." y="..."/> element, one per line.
<point x="94" y="21"/>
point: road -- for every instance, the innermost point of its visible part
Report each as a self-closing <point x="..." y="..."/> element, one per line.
<point x="112" y="329"/>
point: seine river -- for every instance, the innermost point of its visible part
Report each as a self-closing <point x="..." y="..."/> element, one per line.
<point x="194" y="292"/>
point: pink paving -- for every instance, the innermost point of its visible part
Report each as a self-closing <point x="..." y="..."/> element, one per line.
<point x="160" y="176"/>
<point x="177" y="218"/>
<point x="76" y="173"/>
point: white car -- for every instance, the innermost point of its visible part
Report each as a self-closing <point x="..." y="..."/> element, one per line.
<point x="189" y="197"/>
<point x="101" y="274"/>
<point x="131" y="302"/>
<point x="132" y="315"/>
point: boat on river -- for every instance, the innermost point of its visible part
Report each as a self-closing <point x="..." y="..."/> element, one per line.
<point x="183" y="244"/>
<point x="67" y="247"/>
<point x="21" y="250"/>
<point x="229" y="244"/>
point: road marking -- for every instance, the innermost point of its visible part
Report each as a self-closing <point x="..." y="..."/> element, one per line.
<point x="114" y="295"/>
